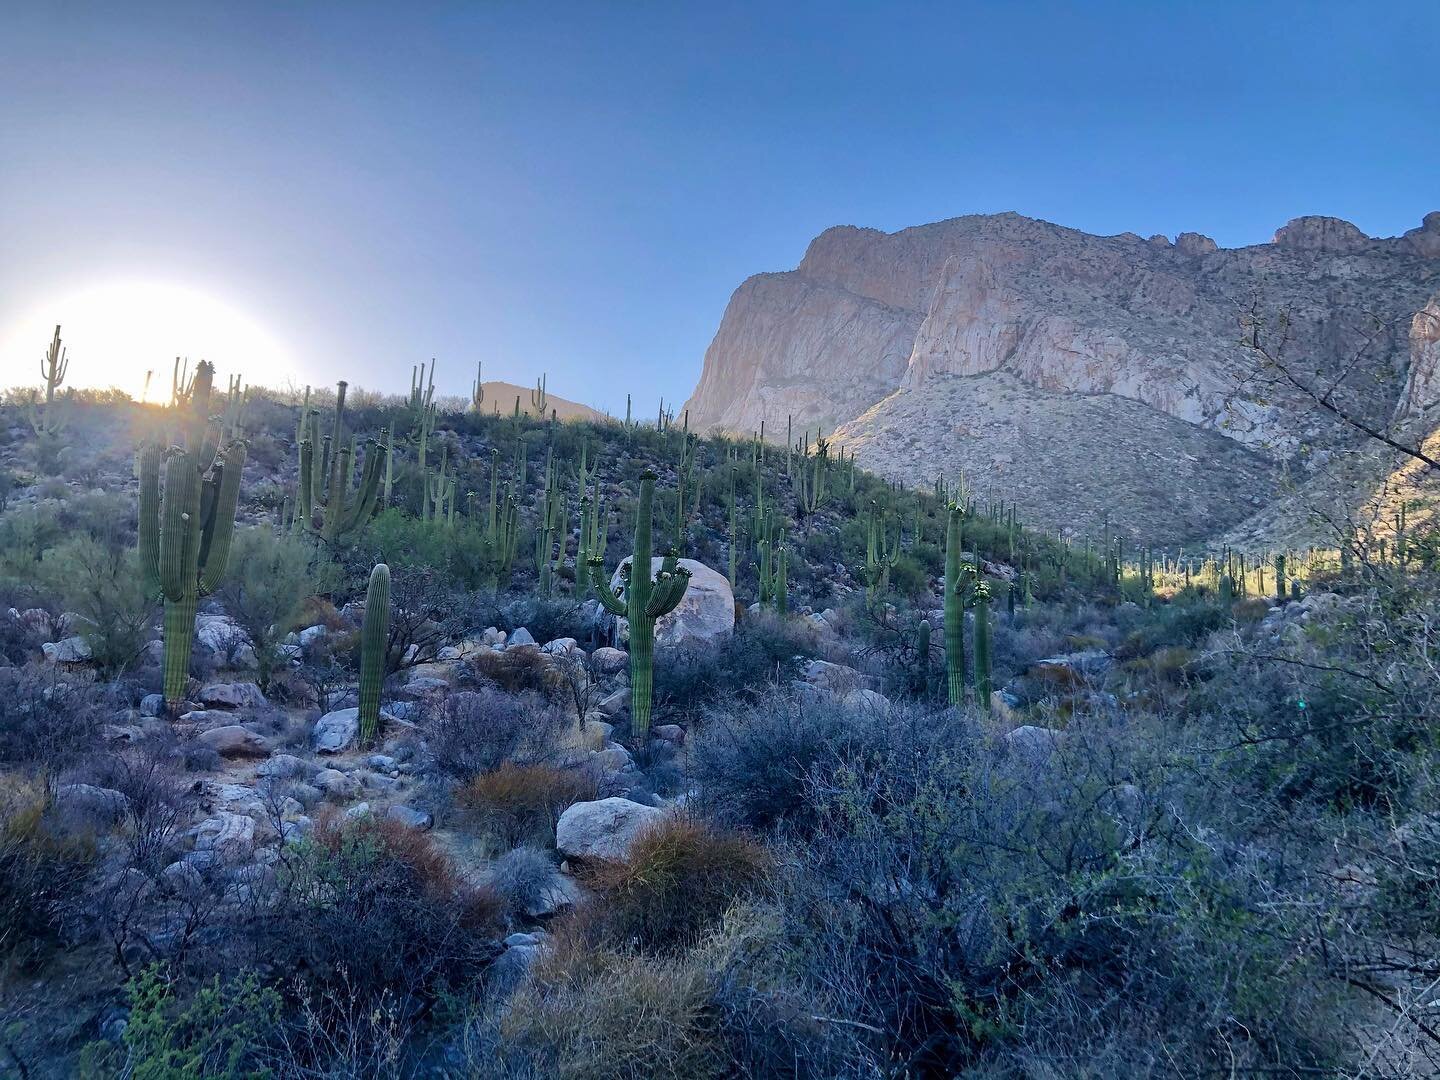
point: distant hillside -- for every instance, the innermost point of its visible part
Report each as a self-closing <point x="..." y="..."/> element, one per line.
<point x="501" y="396"/>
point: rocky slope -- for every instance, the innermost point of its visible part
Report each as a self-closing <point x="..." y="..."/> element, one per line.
<point x="869" y="333"/>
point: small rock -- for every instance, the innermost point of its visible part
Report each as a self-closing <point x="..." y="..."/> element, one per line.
<point x="671" y="733"/>
<point x="560" y="646"/>
<point x="285" y="767"/>
<point x="102" y="806"/>
<point x="152" y="705"/>
<point x="336" y="732"/>
<point x="409" y="817"/>
<point x="520" y="636"/>
<point x="230" y="836"/>
<point x="358" y="811"/>
<point x="336" y="785"/>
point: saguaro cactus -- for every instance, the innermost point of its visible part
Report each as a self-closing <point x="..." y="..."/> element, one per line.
<point x="641" y="600"/>
<point x="980" y="598"/>
<point x="958" y="576"/>
<point x="343" y="513"/>
<point x="374" y="630"/>
<point x="185" y="536"/>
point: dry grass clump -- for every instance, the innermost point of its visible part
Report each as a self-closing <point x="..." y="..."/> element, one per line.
<point x="598" y="1014"/>
<point x="679" y="879"/>
<point x="516" y="804"/>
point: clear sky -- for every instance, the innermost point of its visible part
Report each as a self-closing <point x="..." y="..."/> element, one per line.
<point x="350" y="188"/>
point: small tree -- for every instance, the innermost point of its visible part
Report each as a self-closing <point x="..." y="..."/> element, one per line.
<point x="270" y="579"/>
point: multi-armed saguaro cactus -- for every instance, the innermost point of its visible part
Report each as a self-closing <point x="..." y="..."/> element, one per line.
<point x="539" y="398"/>
<point x="185" y="535"/>
<point x="341" y="512"/>
<point x="641" y="600"/>
<point x="374" y="632"/>
<point x="52" y="369"/>
<point x="881" y="555"/>
<point x="477" y="388"/>
<point x="980" y="599"/>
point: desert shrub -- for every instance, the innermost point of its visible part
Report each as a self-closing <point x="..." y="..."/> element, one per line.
<point x="726" y="1007"/>
<point x="521" y="880"/>
<point x="1174" y="624"/>
<point x="751" y="765"/>
<point x="909" y="578"/>
<point x="227" y="1030"/>
<point x="761" y="652"/>
<point x="546" y="618"/>
<point x="518" y="804"/>
<point x="26" y="533"/>
<point x="678" y="879"/>
<point x="43" y="871"/>
<point x="100" y="580"/>
<point x="590" y="1014"/>
<point x="520" y="669"/>
<point x="992" y="908"/>
<point x="374" y="911"/>
<point x="156" y="800"/>
<point x="47" y="719"/>
<point x="269" y="581"/>
<point x="476" y="731"/>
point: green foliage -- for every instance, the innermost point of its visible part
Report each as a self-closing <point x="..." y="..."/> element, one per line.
<point x="102" y="584"/>
<point x="224" y="1031"/>
<point x="271" y="577"/>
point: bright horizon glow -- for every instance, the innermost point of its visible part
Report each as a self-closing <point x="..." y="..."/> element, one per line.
<point x="116" y="331"/>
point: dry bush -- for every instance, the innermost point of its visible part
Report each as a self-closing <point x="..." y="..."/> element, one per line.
<point x="518" y="804"/>
<point x="376" y="911"/>
<point x="476" y="731"/>
<point x="678" y="880"/>
<point x="518" y="669"/>
<point x="43" y="871"/>
<point x="592" y="1014"/>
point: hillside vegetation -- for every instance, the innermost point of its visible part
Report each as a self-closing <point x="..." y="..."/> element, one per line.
<point x="348" y="737"/>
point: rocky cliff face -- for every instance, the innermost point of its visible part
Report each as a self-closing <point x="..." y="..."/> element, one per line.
<point x="870" y="324"/>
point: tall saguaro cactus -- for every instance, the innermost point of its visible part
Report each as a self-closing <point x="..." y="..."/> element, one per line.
<point x="641" y="600"/>
<point x="185" y="533"/>
<point x="374" y="629"/>
<point x="958" y="575"/>
<point x="980" y="597"/>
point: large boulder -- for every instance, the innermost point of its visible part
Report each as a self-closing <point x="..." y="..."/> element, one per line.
<point x="228" y="645"/>
<point x="706" y="613"/>
<point x="338" y="731"/>
<point x="604" y="829"/>
<point x="234" y="741"/>
<point x="232" y="695"/>
<point x="70" y="650"/>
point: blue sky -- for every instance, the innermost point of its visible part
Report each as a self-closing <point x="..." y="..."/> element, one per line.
<point x="579" y="188"/>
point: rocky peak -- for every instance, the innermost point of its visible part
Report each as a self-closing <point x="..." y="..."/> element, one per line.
<point x="1425" y="241"/>
<point x="1314" y="233"/>
<point x="1194" y="243"/>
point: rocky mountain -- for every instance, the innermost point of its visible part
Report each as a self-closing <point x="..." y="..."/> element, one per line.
<point x="1078" y="374"/>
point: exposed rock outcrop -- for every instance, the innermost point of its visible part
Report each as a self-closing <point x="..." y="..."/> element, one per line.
<point x="868" y="313"/>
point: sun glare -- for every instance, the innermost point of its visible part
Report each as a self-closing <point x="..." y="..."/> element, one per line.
<point x="118" y="331"/>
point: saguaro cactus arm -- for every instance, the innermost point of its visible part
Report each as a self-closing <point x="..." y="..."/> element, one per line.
<point x="610" y="599"/>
